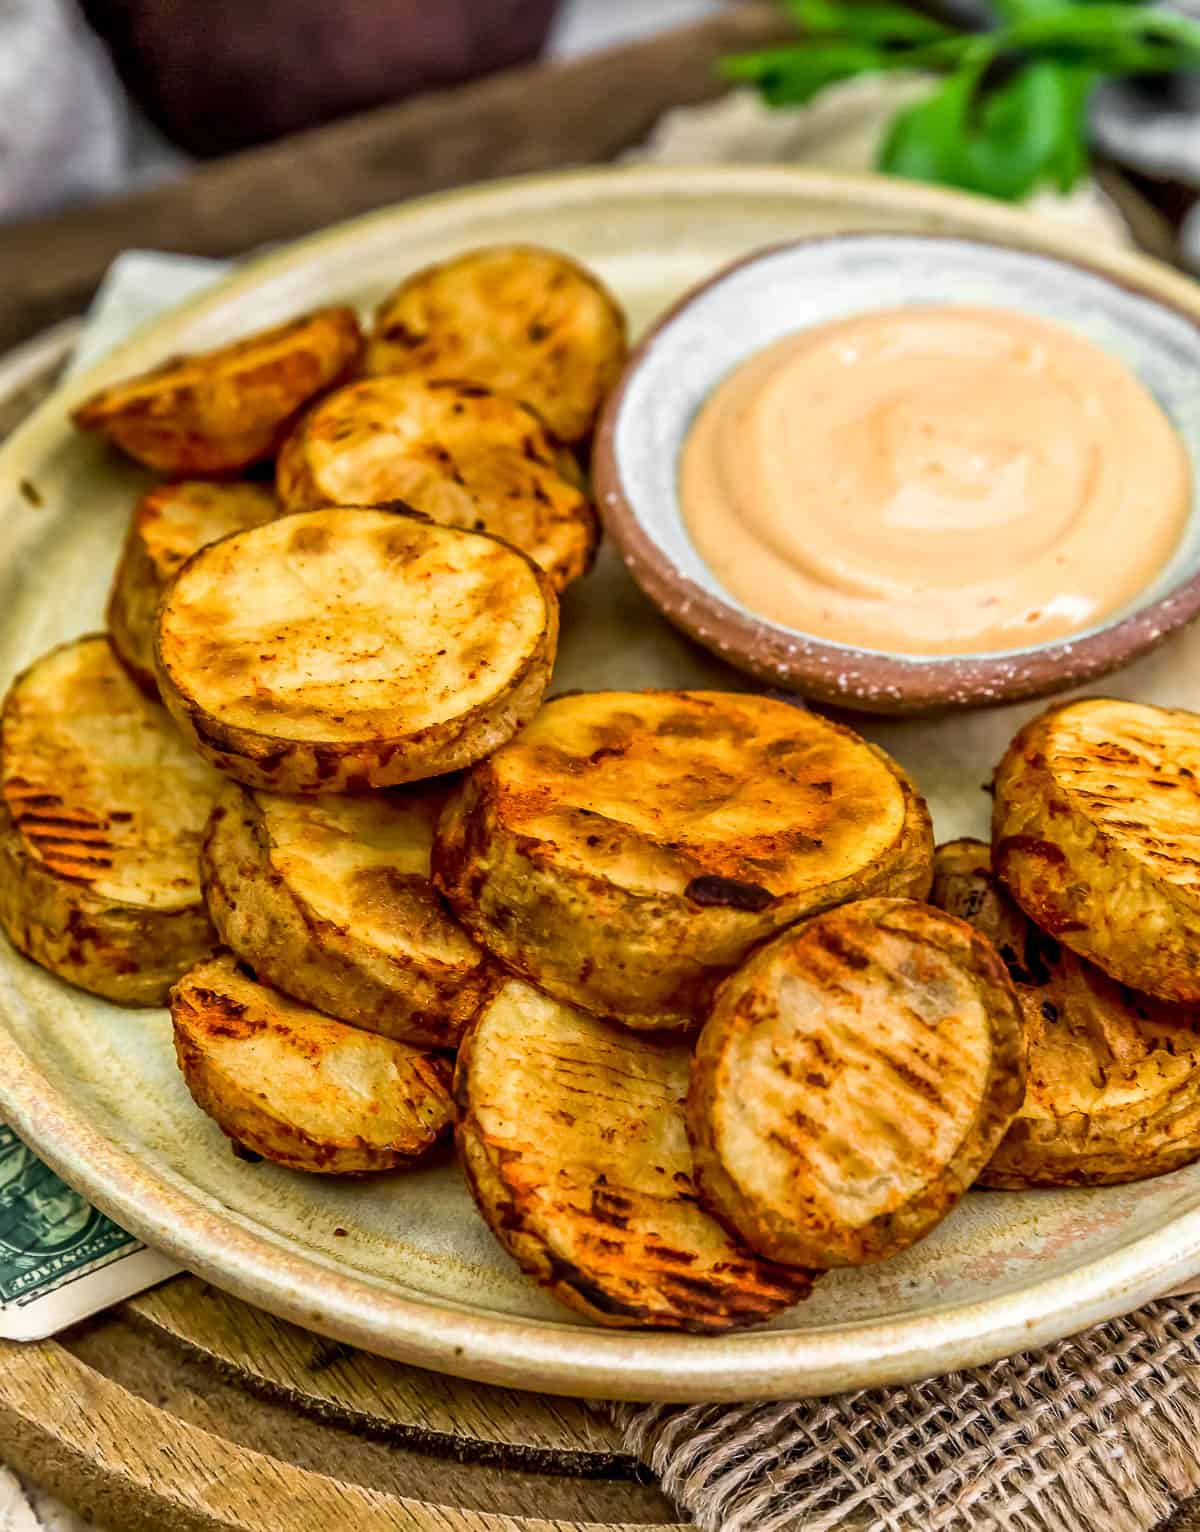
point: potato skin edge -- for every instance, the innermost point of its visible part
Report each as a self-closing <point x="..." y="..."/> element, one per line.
<point x="1157" y="1133"/>
<point x="1061" y="870"/>
<point x="491" y="879"/>
<point x="189" y="429"/>
<point x="322" y="964"/>
<point x="131" y="610"/>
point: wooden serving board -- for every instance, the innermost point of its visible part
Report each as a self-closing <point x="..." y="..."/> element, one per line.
<point x="187" y="1411"/>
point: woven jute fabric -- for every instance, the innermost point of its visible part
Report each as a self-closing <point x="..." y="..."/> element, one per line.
<point x="1098" y="1432"/>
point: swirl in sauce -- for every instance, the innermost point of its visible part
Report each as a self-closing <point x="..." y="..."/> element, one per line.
<point x="934" y="480"/>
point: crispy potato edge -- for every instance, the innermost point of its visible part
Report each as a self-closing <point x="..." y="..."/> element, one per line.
<point x="273" y="929"/>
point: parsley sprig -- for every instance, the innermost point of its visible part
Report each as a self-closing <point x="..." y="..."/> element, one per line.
<point x="1011" y="112"/>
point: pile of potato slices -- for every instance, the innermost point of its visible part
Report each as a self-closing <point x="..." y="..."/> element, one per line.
<point x="683" y="972"/>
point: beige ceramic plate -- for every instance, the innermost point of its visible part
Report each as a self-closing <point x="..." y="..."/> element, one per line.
<point x="416" y="1275"/>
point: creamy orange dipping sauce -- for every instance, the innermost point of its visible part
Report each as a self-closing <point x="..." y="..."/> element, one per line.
<point x="934" y="480"/>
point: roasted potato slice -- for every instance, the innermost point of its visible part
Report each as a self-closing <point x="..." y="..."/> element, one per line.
<point x="572" y="1136"/>
<point x="1096" y="832"/>
<point x="329" y="899"/>
<point x="168" y="526"/>
<point x="297" y="1087"/>
<point x="629" y="848"/>
<point x="347" y="649"/>
<point x="214" y="412"/>
<point x="1112" y="1088"/>
<point x="855" y="1076"/>
<point x="102" y="807"/>
<point x="461" y="454"/>
<point x="527" y="322"/>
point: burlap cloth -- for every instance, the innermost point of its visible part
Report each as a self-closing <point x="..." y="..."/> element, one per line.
<point x="1098" y="1432"/>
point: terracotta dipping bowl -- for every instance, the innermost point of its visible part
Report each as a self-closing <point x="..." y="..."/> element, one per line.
<point x="792" y="287"/>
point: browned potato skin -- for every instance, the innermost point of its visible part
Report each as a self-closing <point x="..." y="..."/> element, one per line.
<point x="647" y="961"/>
<point x="54" y="853"/>
<point x="1097" y="838"/>
<point x="275" y="1112"/>
<point x="154" y="550"/>
<point x="283" y="762"/>
<point x="329" y="963"/>
<point x="130" y="956"/>
<point x="457" y="452"/>
<point x="215" y="412"/>
<point x="587" y="1182"/>
<point x="835" y="953"/>
<point x="528" y="322"/>
<point x="1084" y="1033"/>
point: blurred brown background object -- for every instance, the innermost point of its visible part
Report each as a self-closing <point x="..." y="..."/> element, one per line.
<point x="220" y="75"/>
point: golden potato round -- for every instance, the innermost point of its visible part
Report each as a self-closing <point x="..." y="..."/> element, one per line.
<point x="300" y="1088"/>
<point x="527" y="322"/>
<point x="629" y="848"/>
<point x="168" y="525"/>
<point x="102" y="807"/>
<point x="855" y="1076"/>
<point x="348" y="649"/>
<point x="1112" y="1088"/>
<point x="214" y="412"/>
<point x="1096" y="832"/>
<point x="573" y="1140"/>
<point x="462" y="455"/>
<point x="329" y="900"/>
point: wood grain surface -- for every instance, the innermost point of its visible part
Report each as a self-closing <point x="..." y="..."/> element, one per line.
<point x="134" y="1430"/>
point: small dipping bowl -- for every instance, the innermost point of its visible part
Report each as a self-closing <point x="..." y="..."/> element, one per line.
<point x="793" y="287"/>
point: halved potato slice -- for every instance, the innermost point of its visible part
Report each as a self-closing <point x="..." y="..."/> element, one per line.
<point x="573" y="1139"/>
<point x="168" y="526"/>
<point x="463" y="455"/>
<point x="217" y="411"/>
<point x="527" y="322"/>
<point x="329" y="899"/>
<point x="855" y="1076"/>
<point x="102" y="806"/>
<point x="1096" y="833"/>
<point x="629" y="848"/>
<point x="297" y="1087"/>
<point x="347" y="649"/>
<point x="1112" y="1088"/>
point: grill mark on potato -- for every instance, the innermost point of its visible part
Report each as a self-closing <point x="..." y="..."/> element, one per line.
<point x="1029" y="845"/>
<point x="853" y="1077"/>
<point x="608" y="1224"/>
<point x="590" y="826"/>
<point x="1088" y="1036"/>
<point x="298" y="1087"/>
<point x="711" y="891"/>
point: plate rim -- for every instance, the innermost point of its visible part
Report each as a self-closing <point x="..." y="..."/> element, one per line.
<point x="548" y="1355"/>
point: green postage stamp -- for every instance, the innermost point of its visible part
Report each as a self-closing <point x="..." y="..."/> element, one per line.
<point x="60" y="1260"/>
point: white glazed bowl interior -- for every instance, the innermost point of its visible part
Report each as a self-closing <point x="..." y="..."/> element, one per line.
<point x="812" y="282"/>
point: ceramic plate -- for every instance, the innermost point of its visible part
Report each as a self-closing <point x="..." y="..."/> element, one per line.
<point x="416" y="1275"/>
